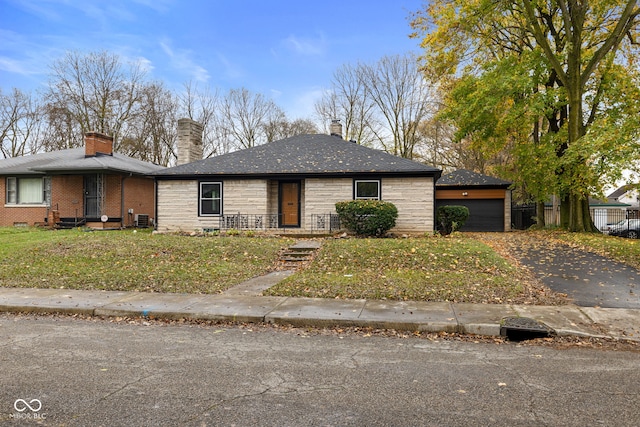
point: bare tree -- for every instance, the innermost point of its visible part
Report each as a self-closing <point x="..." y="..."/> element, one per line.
<point x="402" y="99"/>
<point x="348" y="100"/>
<point x="151" y="134"/>
<point x="283" y="128"/>
<point x="96" y="91"/>
<point x="202" y="105"/>
<point x="243" y="116"/>
<point x="20" y="124"/>
<point x="438" y="146"/>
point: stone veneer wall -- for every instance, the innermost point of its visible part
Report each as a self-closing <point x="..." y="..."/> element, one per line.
<point x="178" y="201"/>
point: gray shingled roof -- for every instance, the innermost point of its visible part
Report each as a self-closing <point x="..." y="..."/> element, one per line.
<point x="467" y="178"/>
<point x="73" y="160"/>
<point x="309" y="155"/>
<point x="622" y="190"/>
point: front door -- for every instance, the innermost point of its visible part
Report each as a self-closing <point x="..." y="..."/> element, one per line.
<point x="92" y="196"/>
<point x="290" y="204"/>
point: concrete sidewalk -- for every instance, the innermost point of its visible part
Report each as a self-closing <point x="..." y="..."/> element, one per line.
<point x="482" y="319"/>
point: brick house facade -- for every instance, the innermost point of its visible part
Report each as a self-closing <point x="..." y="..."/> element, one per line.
<point x="79" y="186"/>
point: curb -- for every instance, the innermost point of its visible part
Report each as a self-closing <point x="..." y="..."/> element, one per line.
<point x="478" y="319"/>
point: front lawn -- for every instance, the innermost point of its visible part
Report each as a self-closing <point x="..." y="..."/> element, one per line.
<point x="457" y="269"/>
<point x="127" y="260"/>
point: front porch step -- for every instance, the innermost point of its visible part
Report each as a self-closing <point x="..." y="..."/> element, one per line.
<point x="69" y="223"/>
<point x="302" y="251"/>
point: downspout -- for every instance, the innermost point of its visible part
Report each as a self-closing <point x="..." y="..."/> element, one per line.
<point x="124" y="177"/>
<point x="155" y="203"/>
<point x="436" y="177"/>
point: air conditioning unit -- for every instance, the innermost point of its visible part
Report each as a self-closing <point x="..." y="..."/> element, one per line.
<point x="142" y="221"/>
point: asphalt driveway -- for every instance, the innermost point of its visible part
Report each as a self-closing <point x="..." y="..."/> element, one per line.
<point x="590" y="280"/>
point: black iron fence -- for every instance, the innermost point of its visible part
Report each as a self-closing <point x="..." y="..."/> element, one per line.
<point x="523" y="217"/>
<point x="325" y="222"/>
<point x="240" y="221"/>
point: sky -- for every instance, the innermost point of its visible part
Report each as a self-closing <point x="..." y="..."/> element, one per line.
<point x="287" y="50"/>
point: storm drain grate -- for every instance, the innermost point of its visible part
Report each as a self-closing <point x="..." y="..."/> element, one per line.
<point x="524" y="328"/>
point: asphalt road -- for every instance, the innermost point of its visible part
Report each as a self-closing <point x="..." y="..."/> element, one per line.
<point x="74" y="372"/>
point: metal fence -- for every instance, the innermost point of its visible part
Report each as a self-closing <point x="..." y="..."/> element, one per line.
<point x="523" y="216"/>
<point x="325" y="222"/>
<point x="240" y="221"/>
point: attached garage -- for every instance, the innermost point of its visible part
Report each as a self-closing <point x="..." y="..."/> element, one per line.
<point x="487" y="198"/>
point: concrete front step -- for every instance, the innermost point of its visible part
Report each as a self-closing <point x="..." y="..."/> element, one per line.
<point x="299" y="252"/>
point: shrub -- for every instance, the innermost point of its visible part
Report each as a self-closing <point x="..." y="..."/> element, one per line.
<point x="367" y="217"/>
<point x="451" y="218"/>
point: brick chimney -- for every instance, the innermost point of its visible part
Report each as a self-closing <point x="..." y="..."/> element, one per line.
<point x="189" y="141"/>
<point x="97" y="143"/>
<point x="335" y="129"/>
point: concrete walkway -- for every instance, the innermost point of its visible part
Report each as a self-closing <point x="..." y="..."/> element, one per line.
<point x="240" y="304"/>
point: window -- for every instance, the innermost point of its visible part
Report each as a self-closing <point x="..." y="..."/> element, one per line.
<point x="210" y="198"/>
<point x="28" y="191"/>
<point x="368" y="190"/>
<point x="12" y="191"/>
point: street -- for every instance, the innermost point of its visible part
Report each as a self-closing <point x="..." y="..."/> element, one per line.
<point x="61" y="371"/>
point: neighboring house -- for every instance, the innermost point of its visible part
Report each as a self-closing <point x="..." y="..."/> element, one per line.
<point x="607" y="212"/>
<point x="291" y="184"/>
<point x="628" y="194"/>
<point x="603" y="213"/>
<point x="488" y="199"/>
<point x="90" y="186"/>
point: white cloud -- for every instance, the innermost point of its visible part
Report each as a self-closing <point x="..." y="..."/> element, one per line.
<point x="157" y="5"/>
<point x="303" y="104"/>
<point x="231" y="70"/>
<point x="12" y="66"/>
<point x="181" y="61"/>
<point x="306" y="46"/>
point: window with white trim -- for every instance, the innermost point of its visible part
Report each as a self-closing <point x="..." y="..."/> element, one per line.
<point x="210" y="198"/>
<point x="28" y="191"/>
<point x="367" y="189"/>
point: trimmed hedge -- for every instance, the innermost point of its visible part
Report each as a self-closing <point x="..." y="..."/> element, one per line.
<point x="451" y="218"/>
<point x="367" y="217"/>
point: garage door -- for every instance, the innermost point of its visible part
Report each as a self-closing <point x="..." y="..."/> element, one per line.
<point x="484" y="214"/>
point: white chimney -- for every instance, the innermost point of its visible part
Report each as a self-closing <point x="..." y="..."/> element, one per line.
<point x="336" y="128"/>
<point x="189" y="141"/>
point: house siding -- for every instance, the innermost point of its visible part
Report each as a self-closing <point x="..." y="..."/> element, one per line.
<point x="139" y="195"/>
<point x="178" y="201"/>
<point x="67" y="197"/>
<point x="414" y="198"/>
<point x="507" y="210"/>
<point x="178" y="207"/>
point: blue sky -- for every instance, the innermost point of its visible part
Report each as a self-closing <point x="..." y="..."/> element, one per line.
<point x="285" y="49"/>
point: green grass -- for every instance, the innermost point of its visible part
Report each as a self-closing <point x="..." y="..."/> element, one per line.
<point x="124" y="260"/>
<point x="430" y="269"/>
<point x="458" y="268"/>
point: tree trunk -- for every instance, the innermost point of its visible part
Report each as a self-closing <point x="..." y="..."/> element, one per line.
<point x="540" y="221"/>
